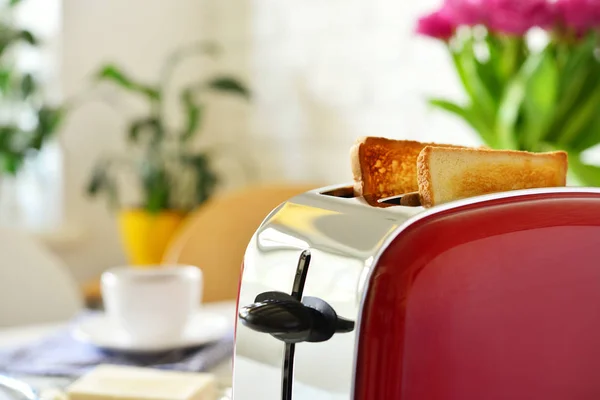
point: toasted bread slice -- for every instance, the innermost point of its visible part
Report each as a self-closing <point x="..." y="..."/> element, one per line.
<point x="385" y="167"/>
<point x="448" y="174"/>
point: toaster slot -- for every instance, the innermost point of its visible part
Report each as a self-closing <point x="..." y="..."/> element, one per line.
<point x="405" y="200"/>
<point x="346" y="192"/>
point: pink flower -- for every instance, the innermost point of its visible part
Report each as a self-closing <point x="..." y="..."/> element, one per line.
<point x="516" y="17"/>
<point x="580" y="15"/>
<point x="468" y="12"/>
<point x="513" y="17"/>
<point x="437" y="25"/>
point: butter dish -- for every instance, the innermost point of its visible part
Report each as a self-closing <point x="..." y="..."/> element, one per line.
<point x="112" y="382"/>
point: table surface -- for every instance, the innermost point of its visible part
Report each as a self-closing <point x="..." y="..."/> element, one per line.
<point x="15" y="336"/>
<point x="255" y="372"/>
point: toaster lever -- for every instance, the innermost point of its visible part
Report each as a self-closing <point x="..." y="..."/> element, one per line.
<point x="278" y="314"/>
<point x="326" y="322"/>
<point x="292" y="321"/>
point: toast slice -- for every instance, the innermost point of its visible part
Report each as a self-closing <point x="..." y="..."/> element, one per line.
<point x="448" y="174"/>
<point x="384" y="167"/>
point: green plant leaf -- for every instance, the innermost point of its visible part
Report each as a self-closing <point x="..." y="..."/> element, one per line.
<point x="27" y="37"/>
<point x="462" y="74"/>
<point x="470" y="117"/>
<point x="504" y="61"/>
<point x="114" y="74"/>
<point x="11" y="162"/>
<point x="152" y="125"/>
<point x="156" y="185"/>
<point x="98" y="180"/>
<point x="13" y="3"/>
<point x="28" y="86"/>
<point x="572" y="105"/>
<point x="579" y="119"/>
<point x="578" y="80"/>
<point x="206" y="180"/>
<point x="5" y="78"/>
<point x="588" y="137"/>
<point x="101" y="182"/>
<point x="508" y="115"/>
<point x="511" y="59"/>
<point x="469" y="72"/>
<point x="527" y="105"/>
<point x="10" y="36"/>
<point x="49" y="119"/>
<point x="541" y="95"/>
<point x="490" y="81"/>
<point x="588" y="175"/>
<point x="7" y="132"/>
<point x="579" y="57"/>
<point x="193" y="114"/>
<point x="228" y="84"/>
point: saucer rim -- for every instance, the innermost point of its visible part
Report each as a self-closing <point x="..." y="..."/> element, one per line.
<point x="82" y="335"/>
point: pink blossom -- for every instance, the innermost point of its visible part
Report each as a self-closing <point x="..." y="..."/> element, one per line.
<point x="438" y="25"/>
<point x="516" y="17"/>
<point x="579" y="15"/>
<point x="468" y="12"/>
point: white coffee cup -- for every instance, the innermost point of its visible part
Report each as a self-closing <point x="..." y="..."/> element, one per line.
<point x="152" y="304"/>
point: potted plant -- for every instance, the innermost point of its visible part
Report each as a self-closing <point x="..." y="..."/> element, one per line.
<point x="530" y="70"/>
<point x="173" y="176"/>
<point x="27" y="119"/>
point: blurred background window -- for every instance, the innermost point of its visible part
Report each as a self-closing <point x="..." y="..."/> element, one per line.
<point x="32" y="199"/>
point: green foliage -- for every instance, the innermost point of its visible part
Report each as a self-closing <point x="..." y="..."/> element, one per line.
<point x="193" y="112"/>
<point x="22" y="93"/>
<point x="586" y="174"/>
<point x="170" y="173"/>
<point x="114" y="74"/>
<point x="228" y="84"/>
<point x="205" y="178"/>
<point x="152" y="125"/>
<point x="524" y="99"/>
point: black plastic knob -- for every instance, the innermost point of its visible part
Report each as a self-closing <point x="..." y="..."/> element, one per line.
<point x="278" y="317"/>
<point x="292" y="321"/>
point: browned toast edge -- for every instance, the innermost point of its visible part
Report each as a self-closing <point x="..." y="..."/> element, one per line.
<point x="355" y="157"/>
<point x="424" y="177"/>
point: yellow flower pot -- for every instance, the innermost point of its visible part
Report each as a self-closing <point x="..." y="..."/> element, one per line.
<point x="145" y="235"/>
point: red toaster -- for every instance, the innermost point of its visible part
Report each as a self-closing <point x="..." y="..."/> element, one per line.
<point x="493" y="297"/>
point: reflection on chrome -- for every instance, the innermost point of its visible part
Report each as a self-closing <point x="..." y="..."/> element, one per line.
<point x="271" y="238"/>
<point x="363" y="279"/>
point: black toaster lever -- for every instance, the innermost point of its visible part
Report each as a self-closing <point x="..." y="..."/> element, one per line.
<point x="293" y="321"/>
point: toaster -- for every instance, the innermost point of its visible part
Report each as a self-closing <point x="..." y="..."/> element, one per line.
<point x="491" y="297"/>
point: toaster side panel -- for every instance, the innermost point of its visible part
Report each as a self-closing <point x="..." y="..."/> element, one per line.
<point x="492" y="300"/>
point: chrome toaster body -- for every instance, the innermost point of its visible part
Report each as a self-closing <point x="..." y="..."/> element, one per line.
<point x="344" y="237"/>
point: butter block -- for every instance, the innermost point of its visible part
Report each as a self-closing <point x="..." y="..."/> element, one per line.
<point x="112" y="382"/>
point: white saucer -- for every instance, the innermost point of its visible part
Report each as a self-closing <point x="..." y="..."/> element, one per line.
<point x="98" y="330"/>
